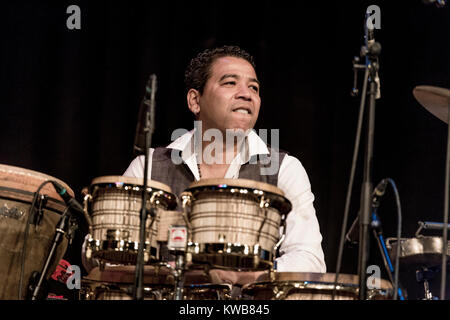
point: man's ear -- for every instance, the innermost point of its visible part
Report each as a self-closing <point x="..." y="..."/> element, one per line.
<point x="193" y="101"/>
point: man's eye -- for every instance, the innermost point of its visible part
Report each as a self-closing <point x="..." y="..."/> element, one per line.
<point x="255" y="88"/>
<point x="230" y="83"/>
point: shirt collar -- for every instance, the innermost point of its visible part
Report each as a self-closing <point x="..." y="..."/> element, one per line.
<point x="254" y="146"/>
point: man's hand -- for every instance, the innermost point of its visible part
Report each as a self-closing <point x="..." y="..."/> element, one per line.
<point x="219" y="276"/>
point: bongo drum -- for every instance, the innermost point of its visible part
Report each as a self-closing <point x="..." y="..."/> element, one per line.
<point x="234" y="223"/>
<point x="17" y="188"/>
<point x="114" y="205"/>
<point x="312" y="286"/>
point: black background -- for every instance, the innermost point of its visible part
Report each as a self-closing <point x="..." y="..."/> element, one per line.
<point x="69" y="99"/>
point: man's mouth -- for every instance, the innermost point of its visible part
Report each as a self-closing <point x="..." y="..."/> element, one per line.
<point x="242" y="110"/>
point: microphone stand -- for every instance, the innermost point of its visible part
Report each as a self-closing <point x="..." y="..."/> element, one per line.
<point x="371" y="51"/>
<point x="60" y="231"/>
<point x="148" y="131"/>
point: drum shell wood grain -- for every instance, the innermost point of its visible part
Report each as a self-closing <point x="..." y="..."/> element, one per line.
<point x="114" y="208"/>
<point x="235" y="223"/>
<point x="225" y="218"/>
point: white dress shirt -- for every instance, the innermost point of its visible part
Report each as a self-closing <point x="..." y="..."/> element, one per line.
<point x="301" y="250"/>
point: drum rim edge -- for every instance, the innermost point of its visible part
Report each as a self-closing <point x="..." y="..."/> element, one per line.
<point x="133" y="181"/>
<point x="239" y="183"/>
<point x="35" y="174"/>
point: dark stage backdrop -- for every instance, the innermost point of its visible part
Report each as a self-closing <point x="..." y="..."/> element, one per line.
<point x="70" y="98"/>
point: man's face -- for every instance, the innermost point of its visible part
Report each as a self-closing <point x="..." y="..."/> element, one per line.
<point x="230" y="99"/>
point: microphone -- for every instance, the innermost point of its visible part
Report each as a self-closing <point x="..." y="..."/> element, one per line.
<point x="68" y="199"/>
<point x="146" y="120"/>
<point x="352" y="235"/>
<point x="378" y="193"/>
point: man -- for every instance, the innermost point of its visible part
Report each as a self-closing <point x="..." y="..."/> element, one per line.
<point x="223" y="94"/>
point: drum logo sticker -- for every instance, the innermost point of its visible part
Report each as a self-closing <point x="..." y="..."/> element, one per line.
<point x="60" y="274"/>
<point x="177" y="238"/>
<point x="13" y="213"/>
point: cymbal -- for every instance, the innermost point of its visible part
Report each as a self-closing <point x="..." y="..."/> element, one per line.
<point x="422" y="251"/>
<point x="435" y="99"/>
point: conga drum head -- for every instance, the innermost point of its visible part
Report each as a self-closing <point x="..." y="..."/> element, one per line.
<point x="17" y="188"/>
<point x="235" y="222"/>
<point x="252" y="188"/>
<point x="312" y="286"/>
<point x="114" y="206"/>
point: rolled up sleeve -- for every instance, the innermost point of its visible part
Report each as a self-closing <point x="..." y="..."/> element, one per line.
<point x="301" y="250"/>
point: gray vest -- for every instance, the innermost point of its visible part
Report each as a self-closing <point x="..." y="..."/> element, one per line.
<point x="178" y="176"/>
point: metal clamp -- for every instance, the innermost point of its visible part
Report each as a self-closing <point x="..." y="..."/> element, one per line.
<point x="186" y="205"/>
<point x="87" y="198"/>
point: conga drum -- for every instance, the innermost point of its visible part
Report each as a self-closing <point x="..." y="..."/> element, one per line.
<point x="114" y="205"/>
<point x="312" y="286"/>
<point x="17" y="188"/>
<point x="234" y="223"/>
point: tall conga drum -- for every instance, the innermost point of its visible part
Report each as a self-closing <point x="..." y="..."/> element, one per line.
<point x="17" y="188"/>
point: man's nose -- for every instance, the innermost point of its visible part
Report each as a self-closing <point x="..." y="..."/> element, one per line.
<point x="244" y="93"/>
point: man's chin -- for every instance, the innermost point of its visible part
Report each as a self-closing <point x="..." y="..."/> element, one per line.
<point x="241" y="126"/>
<point x="239" y="130"/>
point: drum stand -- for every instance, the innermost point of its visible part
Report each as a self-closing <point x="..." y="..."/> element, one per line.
<point x="179" y="276"/>
<point x="424" y="275"/>
<point x="35" y="290"/>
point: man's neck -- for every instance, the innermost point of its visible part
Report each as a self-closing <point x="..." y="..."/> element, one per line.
<point x="221" y="150"/>
<point x="217" y="153"/>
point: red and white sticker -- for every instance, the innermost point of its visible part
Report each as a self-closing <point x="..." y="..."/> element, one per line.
<point x="177" y="238"/>
<point x="60" y="274"/>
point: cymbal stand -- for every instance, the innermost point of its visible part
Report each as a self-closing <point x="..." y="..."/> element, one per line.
<point x="446" y="208"/>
